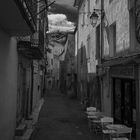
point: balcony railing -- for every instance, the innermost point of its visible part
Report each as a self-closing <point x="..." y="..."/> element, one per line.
<point x="39" y="44"/>
<point x="32" y="8"/>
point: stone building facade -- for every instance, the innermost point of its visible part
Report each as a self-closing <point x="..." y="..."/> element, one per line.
<point x="119" y="68"/>
<point x="68" y="81"/>
<point x="115" y="45"/>
<point x="31" y="67"/>
<point x="49" y="76"/>
<point x="88" y="88"/>
<point x="56" y="46"/>
<point x="18" y="49"/>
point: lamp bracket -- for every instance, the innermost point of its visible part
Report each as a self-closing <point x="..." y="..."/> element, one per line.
<point x="99" y="11"/>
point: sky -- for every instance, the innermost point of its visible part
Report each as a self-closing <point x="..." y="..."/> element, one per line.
<point x="62" y="16"/>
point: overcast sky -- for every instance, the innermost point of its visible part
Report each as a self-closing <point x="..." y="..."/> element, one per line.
<point x="62" y="15"/>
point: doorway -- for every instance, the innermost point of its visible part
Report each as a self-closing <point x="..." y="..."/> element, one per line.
<point x="124" y="102"/>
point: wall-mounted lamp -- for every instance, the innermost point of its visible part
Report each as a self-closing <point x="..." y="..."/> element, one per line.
<point x="95" y="16"/>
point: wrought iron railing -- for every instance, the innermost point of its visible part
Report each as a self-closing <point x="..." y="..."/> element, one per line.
<point x="30" y="49"/>
<point x="28" y="9"/>
<point x="38" y="44"/>
<point x="32" y="8"/>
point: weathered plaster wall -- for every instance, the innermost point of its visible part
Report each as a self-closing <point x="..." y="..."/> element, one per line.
<point x="8" y="85"/>
<point x="86" y="42"/>
<point x="87" y="31"/>
<point x="117" y="11"/>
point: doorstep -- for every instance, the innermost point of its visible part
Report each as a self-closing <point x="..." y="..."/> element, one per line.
<point x="26" y="135"/>
<point x="20" y="129"/>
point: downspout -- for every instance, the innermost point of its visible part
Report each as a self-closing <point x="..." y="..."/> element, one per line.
<point x="99" y="79"/>
<point x="78" y="53"/>
<point x="102" y="36"/>
<point x="78" y="60"/>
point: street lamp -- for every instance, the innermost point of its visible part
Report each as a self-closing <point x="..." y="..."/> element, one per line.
<point x="94" y="16"/>
<point x="93" y="19"/>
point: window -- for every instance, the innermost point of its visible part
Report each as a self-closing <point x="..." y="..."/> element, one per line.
<point x="83" y="23"/>
<point x="97" y="1"/>
<point x="52" y="61"/>
<point x="112" y="41"/>
<point x="98" y="41"/>
<point x="82" y="53"/>
<point x="51" y="71"/>
<point x="88" y="7"/>
<point x="88" y="47"/>
<point x="83" y="15"/>
<point x="132" y="29"/>
<point x="110" y="1"/>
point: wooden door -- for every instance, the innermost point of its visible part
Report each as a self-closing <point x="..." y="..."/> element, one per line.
<point x="124" y="102"/>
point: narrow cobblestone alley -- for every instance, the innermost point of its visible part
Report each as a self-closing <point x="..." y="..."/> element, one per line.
<point x="62" y="119"/>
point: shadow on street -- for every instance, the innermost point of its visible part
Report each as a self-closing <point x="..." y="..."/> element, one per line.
<point x="62" y="118"/>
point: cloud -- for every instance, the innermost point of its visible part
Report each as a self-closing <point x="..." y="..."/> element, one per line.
<point x="53" y="28"/>
<point x="56" y="18"/>
<point x="59" y="22"/>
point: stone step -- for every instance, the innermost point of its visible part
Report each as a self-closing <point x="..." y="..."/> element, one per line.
<point x="20" y="130"/>
<point x="26" y="135"/>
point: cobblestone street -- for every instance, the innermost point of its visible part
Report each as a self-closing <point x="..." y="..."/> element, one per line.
<point x="62" y="119"/>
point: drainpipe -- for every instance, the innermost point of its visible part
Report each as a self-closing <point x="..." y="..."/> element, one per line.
<point x="102" y="25"/>
<point x="77" y="38"/>
<point x="101" y="55"/>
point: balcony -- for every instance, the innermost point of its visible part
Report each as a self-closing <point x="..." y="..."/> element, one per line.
<point x="17" y="17"/>
<point x="31" y="50"/>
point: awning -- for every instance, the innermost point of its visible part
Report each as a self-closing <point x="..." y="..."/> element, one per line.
<point x="121" y="61"/>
